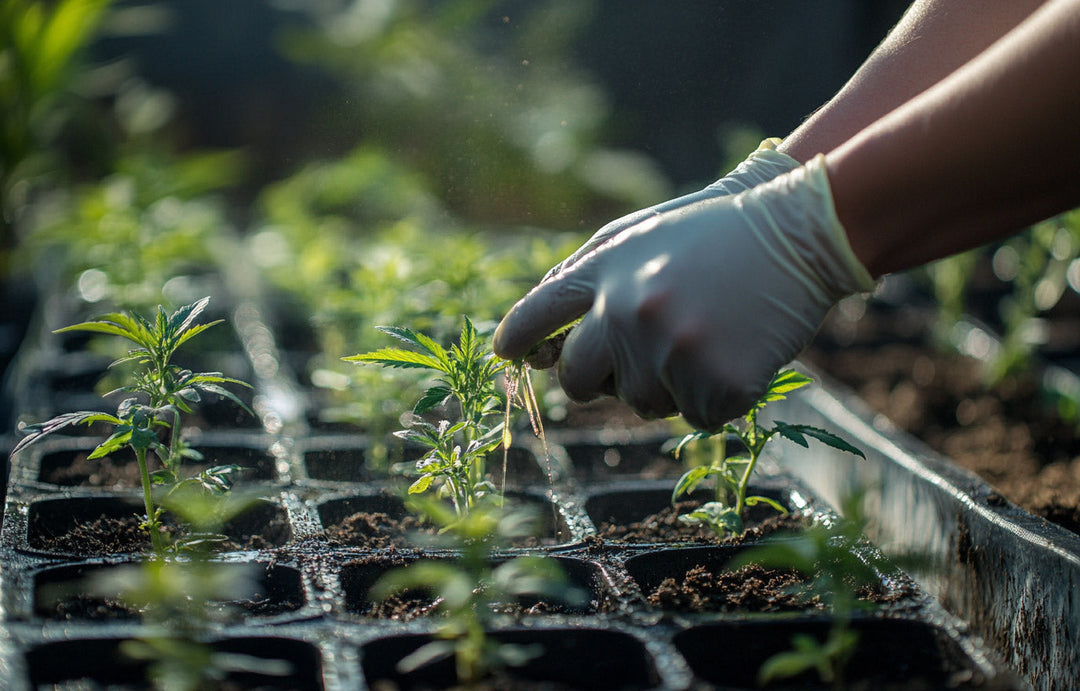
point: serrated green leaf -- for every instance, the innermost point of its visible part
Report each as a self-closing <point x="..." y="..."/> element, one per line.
<point x="182" y="319"/>
<point x="796" y="433"/>
<point x="397" y="357"/>
<point x="113" y="444"/>
<point x="783" y="383"/>
<point x="194" y="331"/>
<point x="422" y="341"/>
<point x="422" y="484"/>
<point x="433" y="397"/>
<point x="690" y="480"/>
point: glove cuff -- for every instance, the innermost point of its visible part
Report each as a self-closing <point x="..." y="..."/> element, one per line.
<point x="762" y="165"/>
<point x="796" y="219"/>
<point x="851" y="275"/>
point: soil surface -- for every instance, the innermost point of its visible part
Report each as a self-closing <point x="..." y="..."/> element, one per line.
<point x="123" y="473"/>
<point x="87" y="607"/>
<point x="750" y="588"/>
<point x="379" y="530"/>
<point x="665" y="526"/>
<point x="105" y="536"/>
<point x="1009" y="434"/>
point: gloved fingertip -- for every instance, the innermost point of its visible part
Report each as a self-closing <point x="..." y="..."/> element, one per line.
<point x="502" y="342"/>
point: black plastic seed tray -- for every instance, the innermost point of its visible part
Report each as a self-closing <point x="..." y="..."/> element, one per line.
<point x="308" y="604"/>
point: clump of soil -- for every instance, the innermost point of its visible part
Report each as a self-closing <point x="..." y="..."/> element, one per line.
<point x="750" y="588"/>
<point x="376" y="530"/>
<point x="84" y="607"/>
<point x="379" y="530"/>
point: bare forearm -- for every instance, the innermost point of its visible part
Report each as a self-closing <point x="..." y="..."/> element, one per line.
<point x="988" y="150"/>
<point x="933" y="39"/>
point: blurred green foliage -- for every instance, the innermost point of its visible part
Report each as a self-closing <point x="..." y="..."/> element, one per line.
<point x="483" y="99"/>
<point x="41" y="44"/>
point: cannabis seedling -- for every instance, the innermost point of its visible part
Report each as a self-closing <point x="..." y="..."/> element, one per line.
<point x="468" y="588"/>
<point x="181" y="599"/>
<point x="840" y="569"/>
<point x="456" y="450"/>
<point x="731" y="473"/>
<point x="149" y="420"/>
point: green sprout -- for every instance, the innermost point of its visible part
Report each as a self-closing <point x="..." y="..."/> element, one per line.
<point x="456" y="450"/>
<point x="468" y="589"/>
<point x="840" y="571"/>
<point x="181" y="599"/>
<point x="732" y="473"/>
<point x="149" y="420"/>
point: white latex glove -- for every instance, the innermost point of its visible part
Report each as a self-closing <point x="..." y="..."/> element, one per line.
<point x="763" y="164"/>
<point x="694" y="309"/>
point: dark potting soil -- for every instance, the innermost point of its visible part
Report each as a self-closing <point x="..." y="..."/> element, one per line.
<point x="90" y="608"/>
<point x="106" y="535"/>
<point x="665" y="526"/>
<point x="750" y="588"/>
<point x="1009" y="434"/>
<point x="378" y="530"/>
<point x="123" y="473"/>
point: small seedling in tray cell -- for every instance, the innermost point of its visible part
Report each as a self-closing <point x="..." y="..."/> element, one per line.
<point x="468" y="588"/>
<point x="731" y="473"/>
<point x="476" y="422"/>
<point x="148" y="421"/>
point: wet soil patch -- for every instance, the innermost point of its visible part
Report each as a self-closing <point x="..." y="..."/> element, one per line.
<point x="382" y="521"/>
<point x="358" y="577"/>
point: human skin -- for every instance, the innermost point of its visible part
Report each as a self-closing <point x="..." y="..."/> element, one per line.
<point x="986" y="151"/>
<point x="931" y="40"/>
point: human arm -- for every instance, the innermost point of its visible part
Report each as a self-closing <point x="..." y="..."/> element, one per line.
<point x="931" y="40"/>
<point x="987" y="151"/>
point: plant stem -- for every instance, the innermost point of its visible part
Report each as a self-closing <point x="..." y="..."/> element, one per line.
<point x="720" y="491"/>
<point x="174" y="440"/>
<point x="755" y="449"/>
<point x="152" y="524"/>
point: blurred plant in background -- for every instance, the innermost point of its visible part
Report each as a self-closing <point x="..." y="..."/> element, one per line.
<point x="41" y="46"/>
<point x="1014" y="287"/>
<point x="462" y="121"/>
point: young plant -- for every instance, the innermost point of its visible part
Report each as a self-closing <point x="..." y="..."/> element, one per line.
<point x="456" y="450"/>
<point x="148" y="421"/>
<point x="181" y="599"/>
<point x="731" y="473"/>
<point x="468" y="589"/>
<point x="840" y="571"/>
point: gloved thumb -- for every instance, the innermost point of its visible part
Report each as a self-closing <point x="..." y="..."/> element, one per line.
<point x="545" y="309"/>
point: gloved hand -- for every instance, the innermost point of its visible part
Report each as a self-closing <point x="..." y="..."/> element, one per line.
<point x="762" y="165"/>
<point x="694" y="309"/>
